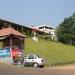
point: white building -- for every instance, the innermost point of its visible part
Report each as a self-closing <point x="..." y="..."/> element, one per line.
<point x="46" y="29"/>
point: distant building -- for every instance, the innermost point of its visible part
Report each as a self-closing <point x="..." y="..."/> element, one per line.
<point x="48" y="30"/>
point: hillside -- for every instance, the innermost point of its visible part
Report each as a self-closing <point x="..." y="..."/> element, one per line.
<point x="52" y="52"/>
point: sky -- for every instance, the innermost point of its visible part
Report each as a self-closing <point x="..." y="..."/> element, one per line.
<point x="36" y="12"/>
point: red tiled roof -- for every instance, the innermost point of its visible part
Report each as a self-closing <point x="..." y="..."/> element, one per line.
<point x="10" y="31"/>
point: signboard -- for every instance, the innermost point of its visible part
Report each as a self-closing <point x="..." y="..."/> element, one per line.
<point x="4" y="52"/>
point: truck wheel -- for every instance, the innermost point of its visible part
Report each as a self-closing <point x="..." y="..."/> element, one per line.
<point x="35" y="65"/>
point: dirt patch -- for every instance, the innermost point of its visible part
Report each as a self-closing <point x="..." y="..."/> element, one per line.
<point x="6" y="69"/>
<point x="66" y="67"/>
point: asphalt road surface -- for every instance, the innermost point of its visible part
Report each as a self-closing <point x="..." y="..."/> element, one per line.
<point x="6" y="69"/>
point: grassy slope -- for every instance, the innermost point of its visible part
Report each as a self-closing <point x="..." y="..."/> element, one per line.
<point x="51" y="51"/>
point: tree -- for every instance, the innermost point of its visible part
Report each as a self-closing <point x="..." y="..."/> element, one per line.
<point x="65" y="32"/>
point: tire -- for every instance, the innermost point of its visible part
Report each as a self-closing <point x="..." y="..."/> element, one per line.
<point x="35" y="65"/>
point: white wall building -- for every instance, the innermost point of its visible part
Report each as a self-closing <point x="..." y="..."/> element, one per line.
<point x="46" y="29"/>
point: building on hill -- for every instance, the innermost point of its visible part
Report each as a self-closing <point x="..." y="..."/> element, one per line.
<point x="48" y="31"/>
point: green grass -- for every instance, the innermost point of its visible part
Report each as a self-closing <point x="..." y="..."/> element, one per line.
<point x="52" y="52"/>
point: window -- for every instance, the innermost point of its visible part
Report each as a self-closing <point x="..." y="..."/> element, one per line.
<point x="31" y="57"/>
<point x="41" y="27"/>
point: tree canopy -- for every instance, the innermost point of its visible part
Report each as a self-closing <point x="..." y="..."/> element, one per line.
<point x="65" y="32"/>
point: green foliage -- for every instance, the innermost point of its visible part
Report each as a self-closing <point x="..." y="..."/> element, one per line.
<point x="52" y="52"/>
<point x="65" y="32"/>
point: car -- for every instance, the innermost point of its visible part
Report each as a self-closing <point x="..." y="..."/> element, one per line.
<point x="33" y="60"/>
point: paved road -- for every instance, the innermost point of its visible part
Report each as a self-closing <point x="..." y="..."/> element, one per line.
<point x="6" y="69"/>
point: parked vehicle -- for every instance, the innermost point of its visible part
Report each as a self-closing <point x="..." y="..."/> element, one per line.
<point x="33" y="60"/>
